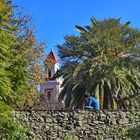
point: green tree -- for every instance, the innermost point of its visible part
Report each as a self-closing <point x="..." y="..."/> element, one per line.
<point x="101" y="62"/>
<point x="19" y="66"/>
<point x="9" y="129"/>
<point x="30" y="60"/>
<point x="133" y="131"/>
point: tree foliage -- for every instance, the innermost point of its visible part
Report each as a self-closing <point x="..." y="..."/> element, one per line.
<point x="20" y="55"/>
<point x="133" y="131"/>
<point x="101" y="62"/>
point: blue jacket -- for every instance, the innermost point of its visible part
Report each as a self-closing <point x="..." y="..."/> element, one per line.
<point x="92" y="103"/>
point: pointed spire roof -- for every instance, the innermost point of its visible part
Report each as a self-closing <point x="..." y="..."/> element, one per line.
<point x="51" y="57"/>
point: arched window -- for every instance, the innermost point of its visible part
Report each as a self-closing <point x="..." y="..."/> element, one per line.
<point x="49" y="74"/>
<point x="48" y="93"/>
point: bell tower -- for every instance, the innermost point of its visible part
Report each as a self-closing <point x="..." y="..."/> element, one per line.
<point x="51" y="65"/>
<point x="50" y="87"/>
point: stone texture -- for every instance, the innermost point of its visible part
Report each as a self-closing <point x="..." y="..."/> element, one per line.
<point x="79" y="125"/>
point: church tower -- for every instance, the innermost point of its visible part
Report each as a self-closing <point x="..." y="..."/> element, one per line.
<point x="51" y="65"/>
<point x="50" y="87"/>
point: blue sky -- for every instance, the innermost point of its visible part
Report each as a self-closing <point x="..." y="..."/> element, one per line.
<point x="56" y="18"/>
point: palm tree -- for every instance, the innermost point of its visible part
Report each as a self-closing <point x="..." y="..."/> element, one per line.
<point x="100" y="62"/>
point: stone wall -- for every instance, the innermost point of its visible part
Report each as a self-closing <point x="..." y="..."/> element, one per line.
<point x="80" y="125"/>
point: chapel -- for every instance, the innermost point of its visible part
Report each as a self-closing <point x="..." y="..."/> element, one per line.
<point x="50" y="86"/>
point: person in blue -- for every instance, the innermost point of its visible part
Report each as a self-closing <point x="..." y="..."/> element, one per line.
<point x="91" y="103"/>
